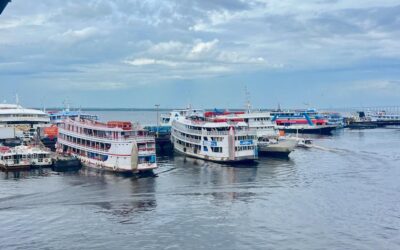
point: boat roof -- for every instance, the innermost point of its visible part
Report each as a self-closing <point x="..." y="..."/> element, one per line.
<point x="70" y="113"/>
<point x="18" y="109"/>
<point x="96" y="125"/>
<point x="24" y="150"/>
<point x="212" y="124"/>
<point x="249" y="115"/>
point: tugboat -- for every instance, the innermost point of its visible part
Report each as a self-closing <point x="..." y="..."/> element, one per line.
<point x="64" y="163"/>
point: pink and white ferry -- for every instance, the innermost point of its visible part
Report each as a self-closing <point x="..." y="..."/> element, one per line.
<point x="114" y="146"/>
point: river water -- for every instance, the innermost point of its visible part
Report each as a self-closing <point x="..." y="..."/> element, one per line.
<point x="345" y="194"/>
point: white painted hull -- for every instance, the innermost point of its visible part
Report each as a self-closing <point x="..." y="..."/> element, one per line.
<point x="282" y="147"/>
<point x="213" y="158"/>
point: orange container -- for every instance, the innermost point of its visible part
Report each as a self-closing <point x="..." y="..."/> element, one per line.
<point x="51" y="132"/>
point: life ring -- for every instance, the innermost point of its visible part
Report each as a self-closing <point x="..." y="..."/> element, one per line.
<point x="46" y="160"/>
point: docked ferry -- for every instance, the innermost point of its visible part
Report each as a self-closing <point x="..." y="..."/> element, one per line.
<point x="304" y="121"/>
<point x="22" y="157"/>
<point x="17" y="116"/>
<point x="59" y="116"/>
<point x="269" y="139"/>
<point x="113" y="146"/>
<point x="215" y="139"/>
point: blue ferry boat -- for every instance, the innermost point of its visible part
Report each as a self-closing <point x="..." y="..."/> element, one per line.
<point x="59" y="117"/>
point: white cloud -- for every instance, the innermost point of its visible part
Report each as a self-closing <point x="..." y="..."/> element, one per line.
<point x="134" y="40"/>
<point x="150" y="61"/>
<point x="389" y="86"/>
<point x="203" y="47"/>
<point x="94" y="86"/>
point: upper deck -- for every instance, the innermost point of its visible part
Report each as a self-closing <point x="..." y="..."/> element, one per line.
<point x="110" y="131"/>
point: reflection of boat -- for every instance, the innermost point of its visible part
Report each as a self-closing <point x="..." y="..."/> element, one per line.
<point x="114" y="146"/>
<point x="208" y="137"/>
<point x="23" y="157"/>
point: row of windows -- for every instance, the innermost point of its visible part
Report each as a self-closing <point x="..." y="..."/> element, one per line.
<point x="216" y="149"/>
<point x="244" y="148"/>
<point x="245" y="137"/>
<point x="24" y="157"/>
<point x="87" y="143"/>
<point x="189" y="145"/>
<point x="264" y="127"/>
<point x="187" y="135"/>
<point x="207" y="129"/>
<point x="261" y="119"/>
<point x="23" y="115"/>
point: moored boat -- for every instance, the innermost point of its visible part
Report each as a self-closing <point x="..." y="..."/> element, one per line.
<point x="215" y="139"/>
<point x="269" y="139"/>
<point x="24" y="157"/>
<point x="304" y="122"/>
<point x="276" y="147"/>
<point x="115" y="146"/>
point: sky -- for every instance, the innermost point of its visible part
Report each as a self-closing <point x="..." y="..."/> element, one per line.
<point x="203" y="53"/>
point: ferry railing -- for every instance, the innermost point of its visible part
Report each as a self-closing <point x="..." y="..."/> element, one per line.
<point x="110" y="138"/>
<point x="105" y="150"/>
<point x="184" y="129"/>
<point x="84" y="145"/>
<point x="216" y="133"/>
<point x="179" y="136"/>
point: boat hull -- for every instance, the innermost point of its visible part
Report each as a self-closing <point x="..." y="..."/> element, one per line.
<point x="280" y="149"/>
<point x="226" y="160"/>
<point x="65" y="165"/>
<point x="24" y="166"/>
<point x="90" y="163"/>
<point x="362" y="125"/>
<point x="325" y="130"/>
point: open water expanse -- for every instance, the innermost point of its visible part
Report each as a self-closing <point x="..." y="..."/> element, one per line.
<point x="343" y="195"/>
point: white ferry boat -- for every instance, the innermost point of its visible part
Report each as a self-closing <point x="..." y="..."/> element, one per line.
<point x="21" y="157"/>
<point x="269" y="139"/>
<point x="59" y="117"/>
<point x="214" y="139"/>
<point x="16" y="115"/>
<point x="167" y="119"/>
<point x="114" y="146"/>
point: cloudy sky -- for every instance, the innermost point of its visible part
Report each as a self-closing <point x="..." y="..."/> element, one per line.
<point x="135" y="53"/>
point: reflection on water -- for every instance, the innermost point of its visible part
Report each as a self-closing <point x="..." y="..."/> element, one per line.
<point x="21" y="174"/>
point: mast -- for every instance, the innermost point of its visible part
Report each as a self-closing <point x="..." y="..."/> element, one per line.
<point x="248" y="104"/>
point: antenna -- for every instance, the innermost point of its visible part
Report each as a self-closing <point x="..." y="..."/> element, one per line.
<point x="66" y="105"/>
<point x="248" y="104"/>
<point x="16" y="99"/>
